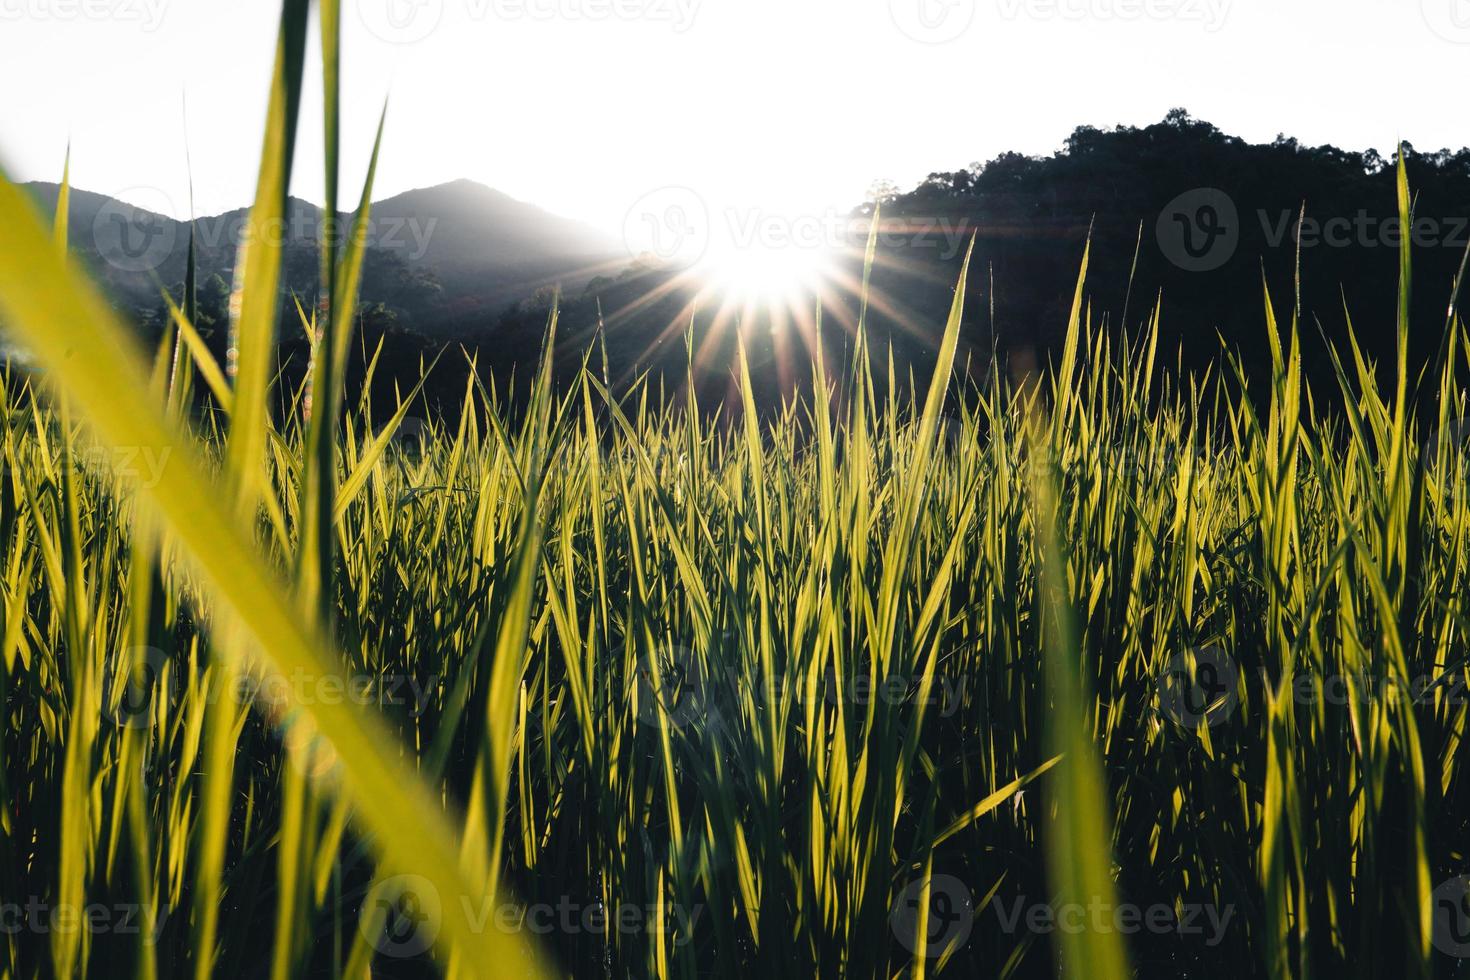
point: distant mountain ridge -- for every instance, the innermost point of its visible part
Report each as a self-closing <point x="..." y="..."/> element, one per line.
<point x="453" y="249"/>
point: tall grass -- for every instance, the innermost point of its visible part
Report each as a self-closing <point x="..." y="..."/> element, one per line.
<point x="607" y="686"/>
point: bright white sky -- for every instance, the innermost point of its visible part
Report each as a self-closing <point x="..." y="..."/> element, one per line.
<point x="584" y="106"/>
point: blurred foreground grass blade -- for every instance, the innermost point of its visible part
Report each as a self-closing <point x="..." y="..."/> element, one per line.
<point x="1079" y="843"/>
<point x="91" y="357"/>
<point x="246" y="467"/>
<point x="264" y="243"/>
<point x="70" y="949"/>
<point x="60" y="222"/>
<point x="315" y="553"/>
<point x="1079" y="858"/>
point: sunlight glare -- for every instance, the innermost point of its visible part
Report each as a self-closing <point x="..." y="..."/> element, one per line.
<point x="765" y="274"/>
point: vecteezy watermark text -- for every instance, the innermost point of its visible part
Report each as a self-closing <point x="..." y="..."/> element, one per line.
<point x="1201" y="687"/>
<point x="1097" y="916"/>
<point x="1201" y="229"/>
<point x="141" y="466"/>
<point x="147" y="14"/>
<point x="676" y="225"/>
<point x="941" y="21"/>
<point x="411" y="21"/>
<point x="137" y="679"/>
<point x="37" y="916"/>
<point x="144" y="238"/>
<point x="405" y="914"/>
<point x="1210" y="13"/>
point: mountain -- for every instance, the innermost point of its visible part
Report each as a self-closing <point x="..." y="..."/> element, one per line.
<point x="486" y="247"/>
<point x="448" y="251"/>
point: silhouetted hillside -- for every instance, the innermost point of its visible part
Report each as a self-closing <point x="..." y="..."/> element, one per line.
<point x="1210" y="216"/>
<point x="1218" y="217"/>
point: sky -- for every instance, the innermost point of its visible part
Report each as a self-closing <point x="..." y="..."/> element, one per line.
<point x="587" y="107"/>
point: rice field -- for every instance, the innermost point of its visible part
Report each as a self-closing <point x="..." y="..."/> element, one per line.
<point x="1100" y="671"/>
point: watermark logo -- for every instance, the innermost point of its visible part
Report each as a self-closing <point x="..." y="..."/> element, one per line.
<point x="412" y="438"/>
<point x="133" y="681"/>
<point x="672" y="224"/>
<point x="1449" y="910"/>
<point x="1452" y="441"/>
<point x="409" y="445"/>
<point x="1199" y="686"/>
<point x="951" y="917"/>
<point x="404" y="916"/>
<point x="132" y="238"/>
<point x="1199" y="230"/>
<point x="671" y="686"/>
<point x="1450" y="19"/>
<point x="932" y="21"/>
<point x="401" y="21"/>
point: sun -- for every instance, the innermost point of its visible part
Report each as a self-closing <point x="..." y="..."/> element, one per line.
<point x="783" y="275"/>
